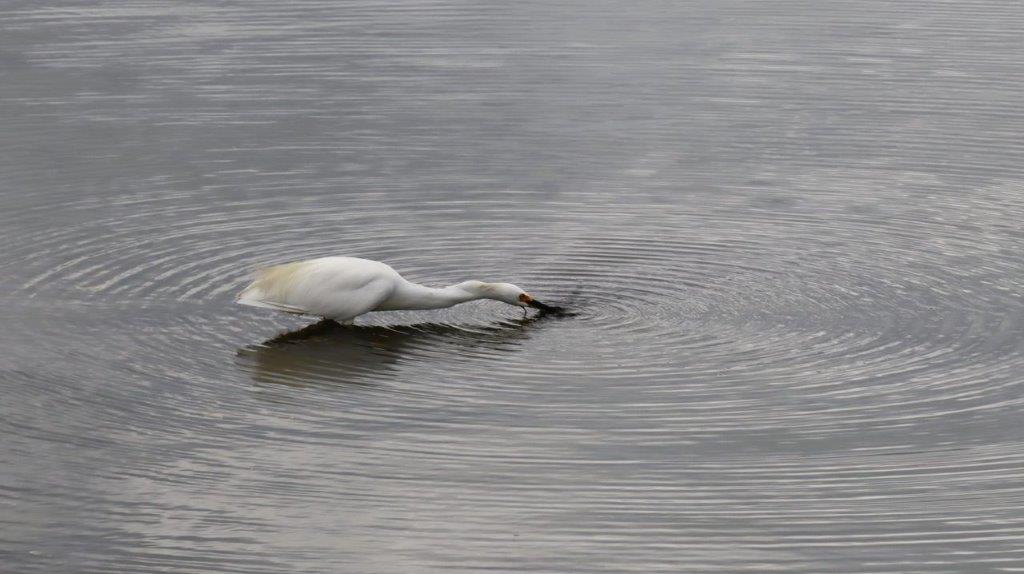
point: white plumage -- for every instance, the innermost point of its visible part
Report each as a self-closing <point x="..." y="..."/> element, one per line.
<point x="342" y="288"/>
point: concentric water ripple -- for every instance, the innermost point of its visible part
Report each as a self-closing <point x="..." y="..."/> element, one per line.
<point x="790" y="237"/>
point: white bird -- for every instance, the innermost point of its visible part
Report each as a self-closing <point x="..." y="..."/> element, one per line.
<point x="342" y="288"/>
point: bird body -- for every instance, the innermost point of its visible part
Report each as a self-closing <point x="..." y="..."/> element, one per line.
<point x="342" y="288"/>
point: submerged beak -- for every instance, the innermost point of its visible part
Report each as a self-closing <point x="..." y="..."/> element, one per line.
<point x="544" y="307"/>
<point x="538" y="305"/>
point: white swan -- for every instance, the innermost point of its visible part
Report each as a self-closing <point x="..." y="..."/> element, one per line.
<point x="342" y="288"/>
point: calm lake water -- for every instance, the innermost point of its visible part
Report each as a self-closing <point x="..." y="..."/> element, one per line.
<point x="792" y="231"/>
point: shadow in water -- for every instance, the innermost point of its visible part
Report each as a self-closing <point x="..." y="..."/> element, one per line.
<point x="326" y="353"/>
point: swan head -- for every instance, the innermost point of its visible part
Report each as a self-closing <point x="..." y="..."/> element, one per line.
<point x="506" y="293"/>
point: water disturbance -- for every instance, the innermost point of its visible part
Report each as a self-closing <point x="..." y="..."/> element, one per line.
<point x="790" y="234"/>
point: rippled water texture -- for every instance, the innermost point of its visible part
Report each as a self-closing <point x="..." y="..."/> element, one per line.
<point x="791" y="232"/>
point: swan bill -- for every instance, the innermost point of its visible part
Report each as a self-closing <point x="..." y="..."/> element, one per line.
<point x="545" y="307"/>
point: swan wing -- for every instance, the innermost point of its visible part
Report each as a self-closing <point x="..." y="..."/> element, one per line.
<point x="252" y="302"/>
<point x="335" y="287"/>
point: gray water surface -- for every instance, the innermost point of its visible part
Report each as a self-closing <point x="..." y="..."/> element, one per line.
<point x="792" y="232"/>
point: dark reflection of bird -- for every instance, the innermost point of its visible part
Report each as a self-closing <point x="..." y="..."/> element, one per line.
<point x="327" y="353"/>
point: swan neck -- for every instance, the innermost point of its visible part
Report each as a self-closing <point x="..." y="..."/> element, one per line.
<point x="415" y="296"/>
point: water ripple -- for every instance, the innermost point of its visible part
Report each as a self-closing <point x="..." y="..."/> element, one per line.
<point x="790" y="237"/>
